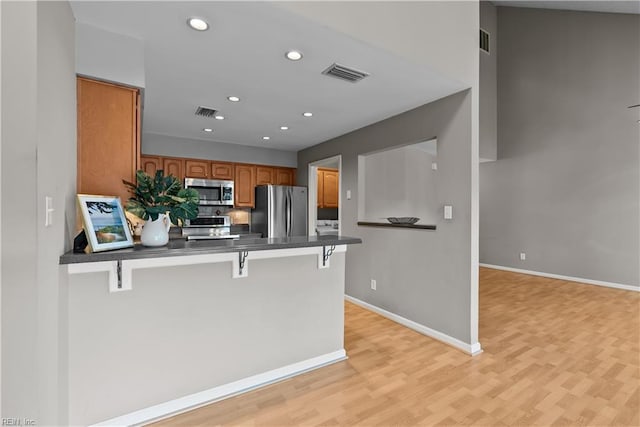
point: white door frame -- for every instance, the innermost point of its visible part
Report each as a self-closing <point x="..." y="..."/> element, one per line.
<point x="313" y="191"/>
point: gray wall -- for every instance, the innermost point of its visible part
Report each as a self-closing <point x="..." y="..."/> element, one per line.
<point x="488" y="111"/>
<point x="565" y="189"/>
<point x="163" y="145"/>
<point x="109" y="56"/>
<point x="19" y="230"/>
<point x="186" y="329"/>
<point x="38" y="159"/>
<point x="424" y="276"/>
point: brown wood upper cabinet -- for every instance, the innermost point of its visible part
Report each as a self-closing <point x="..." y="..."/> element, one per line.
<point x="108" y="137"/>
<point x="196" y="168"/>
<point x="174" y="166"/>
<point x="285" y="176"/>
<point x="222" y="170"/>
<point x="151" y="164"/>
<point x="264" y="175"/>
<point x="244" y="185"/>
<point x="328" y="188"/>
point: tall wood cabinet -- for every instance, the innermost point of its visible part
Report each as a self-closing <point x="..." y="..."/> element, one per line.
<point x="328" y="188"/>
<point x="108" y="137"/>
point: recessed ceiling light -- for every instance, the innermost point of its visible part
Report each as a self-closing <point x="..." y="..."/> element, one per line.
<point x="233" y="98"/>
<point x="307" y="114"/>
<point x="284" y="127"/>
<point x="219" y="117"/>
<point x="293" y="55"/>
<point x="198" y="24"/>
<point x="207" y="130"/>
<point x="266" y="138"/>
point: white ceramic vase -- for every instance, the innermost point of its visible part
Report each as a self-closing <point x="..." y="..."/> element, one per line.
<point x="156" y="233"/>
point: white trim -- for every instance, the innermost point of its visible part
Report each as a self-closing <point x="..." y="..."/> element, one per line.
<point x="561" y="277"/>
<point x="472" y="349"/>
<point x="225" y="391"/>
<point x="128" y="265"/>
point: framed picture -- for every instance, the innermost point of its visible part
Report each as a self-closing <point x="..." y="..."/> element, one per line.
<point x="104" y="223"/>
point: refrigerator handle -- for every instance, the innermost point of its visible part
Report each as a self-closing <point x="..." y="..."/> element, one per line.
<point x="288" y="215"/>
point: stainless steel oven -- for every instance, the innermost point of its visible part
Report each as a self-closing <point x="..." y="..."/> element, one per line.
<point x="212" y="192"/>
<point x="208" y="227"/>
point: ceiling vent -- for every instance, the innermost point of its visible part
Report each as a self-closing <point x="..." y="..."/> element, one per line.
<point x="343" y="73"/>
<point x="484" y="41"/>
<point x="205" y="111"/>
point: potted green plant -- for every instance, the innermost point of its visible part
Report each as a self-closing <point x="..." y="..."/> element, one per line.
<point x="160" y="200"/>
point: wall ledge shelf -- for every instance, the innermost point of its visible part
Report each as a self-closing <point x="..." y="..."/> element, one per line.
<point x="389" y="225"/>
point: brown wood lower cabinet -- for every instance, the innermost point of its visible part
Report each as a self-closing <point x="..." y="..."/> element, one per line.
<point x="244" y="186"/>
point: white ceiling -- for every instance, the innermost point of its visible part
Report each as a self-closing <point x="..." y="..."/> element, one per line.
<point x="629" y="6"/>
<point x="243" y="54"/>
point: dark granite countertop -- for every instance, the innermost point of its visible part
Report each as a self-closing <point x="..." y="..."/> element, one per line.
<point x="181" y="247"/>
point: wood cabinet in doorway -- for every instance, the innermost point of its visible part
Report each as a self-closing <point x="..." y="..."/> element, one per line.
<point x="328" y="188"/>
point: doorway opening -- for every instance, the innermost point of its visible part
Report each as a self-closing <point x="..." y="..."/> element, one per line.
<point x="325" y="200"/>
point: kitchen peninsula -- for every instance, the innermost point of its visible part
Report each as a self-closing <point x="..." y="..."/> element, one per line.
<point x="171" y="328"/>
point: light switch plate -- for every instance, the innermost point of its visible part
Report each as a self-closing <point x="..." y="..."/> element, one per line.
<point x="448" y="212"/>
<point x="348" y="194"/>
<point x="48" y="211"/>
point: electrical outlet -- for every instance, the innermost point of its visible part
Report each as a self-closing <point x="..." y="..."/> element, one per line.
<point x="373" y="284"/>
<point x="523" y="256"/>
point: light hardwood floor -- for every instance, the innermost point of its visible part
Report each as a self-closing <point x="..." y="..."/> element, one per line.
<point x="555" y="353"/>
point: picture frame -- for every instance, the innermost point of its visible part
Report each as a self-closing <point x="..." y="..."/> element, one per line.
<point x="104" y="223"/>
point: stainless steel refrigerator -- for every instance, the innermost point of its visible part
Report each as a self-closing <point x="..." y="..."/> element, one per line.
<point x="281" y="211"/>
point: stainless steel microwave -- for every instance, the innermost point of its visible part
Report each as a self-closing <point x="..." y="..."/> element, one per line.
<point x="212" y="192"/>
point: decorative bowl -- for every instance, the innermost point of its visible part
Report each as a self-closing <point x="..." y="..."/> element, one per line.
<point x="403" y="219"/>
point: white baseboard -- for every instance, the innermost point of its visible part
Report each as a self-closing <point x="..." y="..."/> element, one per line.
<point x="472" y="349"/>
<point x="561" y="277"/>
<point x="193" y="401"/>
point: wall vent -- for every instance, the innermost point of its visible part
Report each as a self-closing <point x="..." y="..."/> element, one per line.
<point x="484" y="41"/>
<point x="344" y="73"/>
<point x="205" y="111"/>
